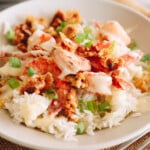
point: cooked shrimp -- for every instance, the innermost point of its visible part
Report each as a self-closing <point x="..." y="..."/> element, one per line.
<point x="98" y="82"/>
<point x="41" y="39"/>
<point x="115" y="32"/>
<point x="43" y="65"/>
<point x="132" y="56"/>
<point x="118" y="81"/>
<point x="70" y="63"/>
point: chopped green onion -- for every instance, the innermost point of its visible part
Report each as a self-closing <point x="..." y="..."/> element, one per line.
<point x="146" y="58"/>
<point x="13" y="83"/>
<point x="80" y="37"/>
<point x="51" y="93"/>
<point x="104" y="106"/>
<point x="133" y="45"/>
<point x="81" y="105"/>
<point x="31" y="71"/>
<point x="10" y="35"/>
<point x="87" y="30"/>
<point x="91" y="106"/>
<point x="14" y="62"/>
<point x="88" y="44"/>
<point x="61" y="26"/>
<point x="85" y="39"/>
<point x="80" y="128"/>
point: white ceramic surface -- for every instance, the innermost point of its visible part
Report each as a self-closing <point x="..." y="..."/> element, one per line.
<point x="102" y="10"/>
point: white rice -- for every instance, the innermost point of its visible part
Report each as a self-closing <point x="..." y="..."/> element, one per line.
<point x="26" y="108"/>
<point x="31" y="109"/>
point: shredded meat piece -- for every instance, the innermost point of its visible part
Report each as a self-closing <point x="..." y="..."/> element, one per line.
<point x="38" y="84"/>
<point x="22" y="33"/>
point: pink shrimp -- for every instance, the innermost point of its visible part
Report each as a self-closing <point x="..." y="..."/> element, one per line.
<point x="132" y="57"/>
<point x="118" y="81"/>
<point x="43" y="65"/>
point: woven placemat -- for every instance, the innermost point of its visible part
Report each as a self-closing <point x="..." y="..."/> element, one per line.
<point x="6" y="145"/>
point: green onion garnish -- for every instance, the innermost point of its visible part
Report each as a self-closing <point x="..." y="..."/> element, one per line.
<point x="51" y="93"/>
<point x="85" y="38"/>
<point x="104" y="106"/>
<point x="13" y="83"/>
<point x="31" y="71"/>
<point x="14" y="62"/>
<point x="10" y="35"/>
<point x="133" y="45"/>
<point x="146" y="58"/>
<point x="87" y="30"/>
<point x="81" y="105"/>
<point x="61" y="26"/>
<point x="88" y="43"/>
<point x="80" y="37"/>
<point x="91" y="106"/>
<point x="80" y="128"/>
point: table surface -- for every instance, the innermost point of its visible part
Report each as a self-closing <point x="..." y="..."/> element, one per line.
<point x="6" y="145"/>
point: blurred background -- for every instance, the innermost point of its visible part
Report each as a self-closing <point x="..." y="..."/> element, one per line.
<point x="146" y="3"/>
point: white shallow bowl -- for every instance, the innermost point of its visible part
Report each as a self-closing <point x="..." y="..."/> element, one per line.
<point x="90" y="10"/>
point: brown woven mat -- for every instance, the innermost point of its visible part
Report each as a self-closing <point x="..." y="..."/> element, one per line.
<point x="5" y="145"/>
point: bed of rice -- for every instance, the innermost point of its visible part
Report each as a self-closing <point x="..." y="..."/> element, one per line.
<point x="31" y="109"/>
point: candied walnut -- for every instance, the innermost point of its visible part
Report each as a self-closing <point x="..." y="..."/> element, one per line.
<point x="38" y="84"/>
<point x="143" y="83"/>
<point x="22" y="33"/>
<point x="2" y="82"/>
<point x="66" y="103"/>
<point x="105" y="64"/>
<point x="25" y="30"/>
<point x="58" y="18"/>
<point x="69" y="106"/>
<point x="2" y="103"/>
<point x="73" y="16"/>
<point x="114" y="63"/>
<point x="99" y="49"/>
<point x="77" y="81"/>
<point x="37" y="21"/>
<point x="66" y="43"/>
<point x="71" y="30"/>
<point x="68" y="16"/>
<point x="50" y="30"/>
<point x="87" y="52"/>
